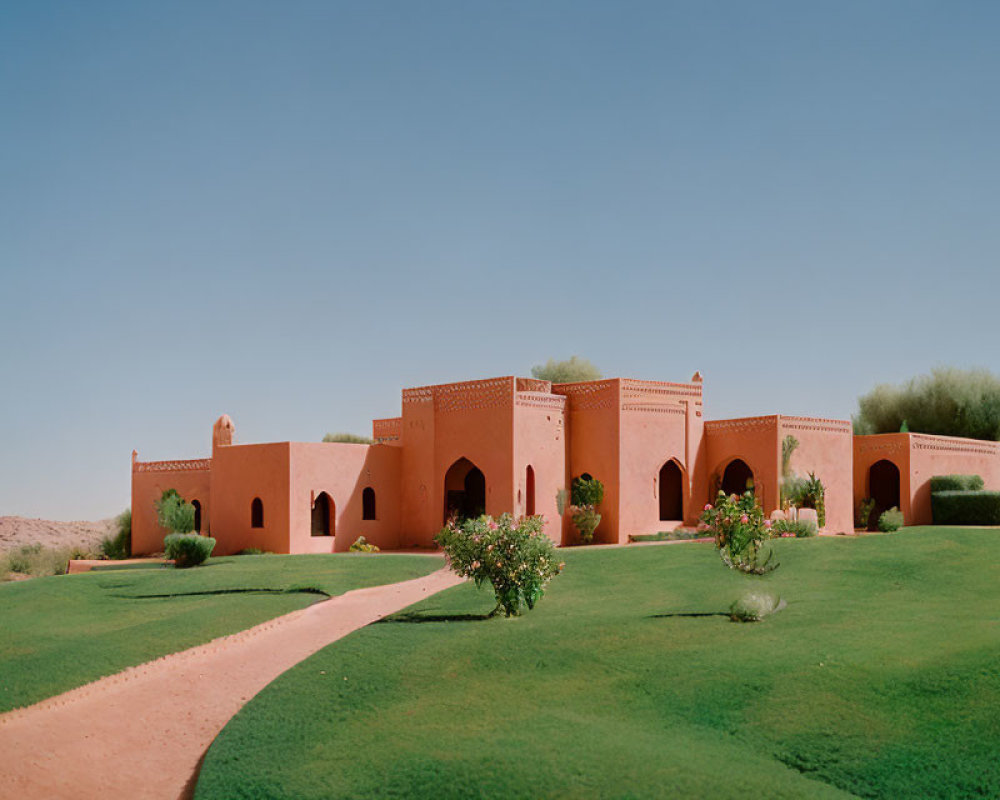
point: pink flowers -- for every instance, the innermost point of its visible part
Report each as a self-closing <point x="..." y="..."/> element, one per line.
<point x="474" y="565"/>
<point x="708" y="506"/>
<point x="744" y="519"/>
<point x="767" y="524"/>
<point x="492" y="525"/>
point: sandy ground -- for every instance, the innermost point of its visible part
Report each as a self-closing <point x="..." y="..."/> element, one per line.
<point x="143" y="733"/>
<point x="17" y="531"/>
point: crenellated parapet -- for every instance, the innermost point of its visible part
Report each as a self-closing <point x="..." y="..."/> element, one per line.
<point x="187" y="465"/>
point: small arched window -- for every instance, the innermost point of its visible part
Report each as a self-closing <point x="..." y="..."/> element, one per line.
<point x="368" y="503"/>
<point x="197" y="516"/>
<point x="256" y="513"/>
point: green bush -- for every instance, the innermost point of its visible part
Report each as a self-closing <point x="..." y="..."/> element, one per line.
<point x="891" y="520"/>
<point x="513" y="556"/>
<point x="119" y="546"/>
<point x="174" y="513"/>
<point x="956" y="483"/>
<point x="362" y="545"/>
<point x="587" y="492"/>
<point x="574" y="370"/>
<point x="950" y="402"/>
<point x="863" y="512"/>
<point x="800" y="528"/>
<point x="188" y="549"/>
<point x="753" y="607"/>
<point x="966" y="508"/>
<point x="254" y="551"/>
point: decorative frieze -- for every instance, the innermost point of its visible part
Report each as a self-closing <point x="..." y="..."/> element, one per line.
<point x="742" y="425"/>
<point x="947" y="444"/>
<point x="189" y="465"/>
<point x="817" y="424"/>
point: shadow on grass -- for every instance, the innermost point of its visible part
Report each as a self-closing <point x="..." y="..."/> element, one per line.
<point x="415" y="617"/>
<point x="691" y="614"/>
<point x="294" y="590"/>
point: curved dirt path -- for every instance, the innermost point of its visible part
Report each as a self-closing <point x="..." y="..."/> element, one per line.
<point x="142" y="733"/>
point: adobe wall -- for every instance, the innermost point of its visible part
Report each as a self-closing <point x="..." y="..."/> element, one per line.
<point x="594" y="441"/>
<point x="540" y="442"/>
<point x="241" y="472"/>
<point x="826" y="447"/>
<point x="755" y="441"/>
<point x="150" y="479"/>
<point x="343" y="471"/>
<point x="442" y="424"/>
<point x="946" y="455"/>
<point x="659" y="422"/>
<point x="892" y="447"/>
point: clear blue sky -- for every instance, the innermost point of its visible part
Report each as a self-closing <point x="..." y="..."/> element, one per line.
<point x="288" y="211"/>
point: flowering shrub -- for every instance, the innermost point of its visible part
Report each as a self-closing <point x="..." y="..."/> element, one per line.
<point x="512" y="555"/>
<point x="362" y="545"/>
<point x="737" y="523"/>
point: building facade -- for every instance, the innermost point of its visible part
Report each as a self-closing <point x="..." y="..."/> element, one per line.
<point x="511" y="444"/>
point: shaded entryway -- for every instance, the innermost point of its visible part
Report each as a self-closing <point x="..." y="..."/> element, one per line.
<point x="322" y="515"/>
<point x="883" y="488"/>
<point x="529" y="491"/>
<point x="368" y="503"/>
<point x="737" y="478"/>
<point x="197" y="516"/>
<point x="257" y="513"/>
<point x="670" y="490"/>
<point x="464" y="491"/>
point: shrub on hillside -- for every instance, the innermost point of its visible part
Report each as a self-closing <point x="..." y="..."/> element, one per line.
<point x="574" y="370"/>
<point x="362" y="545"/>
<point x="174" y="513"/>
<point x="891" y="520"/>
<point x="38" y="561"/>
<point x="957" y="483"/>
<point x="740" y="530"/>
<point x="966" y="507"/>
<point x="119" y="546"/>
<point x="950" y="402"/>
<point x="188" y="549"/>
<point x="512" y="555"/>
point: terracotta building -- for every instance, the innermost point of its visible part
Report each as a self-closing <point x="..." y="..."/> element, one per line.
<point x="510" y="445"/>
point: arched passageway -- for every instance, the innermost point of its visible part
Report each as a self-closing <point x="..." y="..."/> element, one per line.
<point x="883" y="488"/>
<point x="322" y="515"/>
<point x="529" y="491"/>
<point x="197" y="515"/>
<point x="368" y="503"/>
<point x="737" y="478"/>
<point x="670" y="490"/>
<point x="257" y="513"/>
<point x="464" y="491"/>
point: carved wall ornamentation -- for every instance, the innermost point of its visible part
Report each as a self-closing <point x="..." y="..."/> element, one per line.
<point x="190" y="465"/>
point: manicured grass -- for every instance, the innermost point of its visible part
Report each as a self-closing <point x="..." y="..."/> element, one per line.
<point x="60" y="632"/>
<point x="879" y="679"/>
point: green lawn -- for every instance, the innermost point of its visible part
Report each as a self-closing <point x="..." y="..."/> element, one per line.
<point x="63" y="631"/>
<point x="881" y="678"/>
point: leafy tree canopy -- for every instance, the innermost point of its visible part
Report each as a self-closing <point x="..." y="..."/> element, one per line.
<point x="949" y="402"/>
<point x="349" y="438"/>
<point x="571" y="371"/>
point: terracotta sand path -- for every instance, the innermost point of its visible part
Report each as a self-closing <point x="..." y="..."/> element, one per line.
<point x="143" y="732"/>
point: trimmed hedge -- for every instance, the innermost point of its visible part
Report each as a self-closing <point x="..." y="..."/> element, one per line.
<point x="188" y="549"/>
<point x="966" y="508"/>
<point x="956" y="483"/>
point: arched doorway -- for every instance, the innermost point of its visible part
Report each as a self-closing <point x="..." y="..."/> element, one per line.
<point x="322" y="515"/>
<point x="883" y="488"/>
<point x="529" y="491"/>
<point x="464" y="491"/>
<point x="197" y="516"/>
<point x="256" y="513"/>
<point x="737" y="478"/>
<point x="368" y="503"/>
<point x="671" y="492"/>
